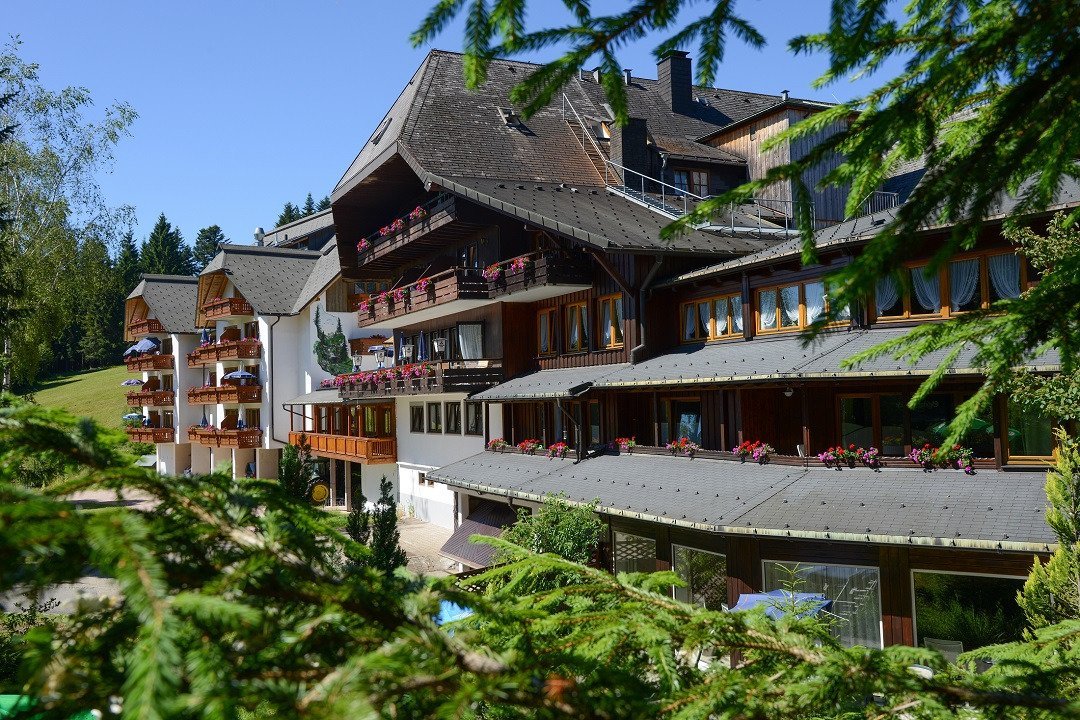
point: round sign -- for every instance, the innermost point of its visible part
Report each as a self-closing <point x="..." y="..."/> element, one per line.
<point x="320" y="492"/>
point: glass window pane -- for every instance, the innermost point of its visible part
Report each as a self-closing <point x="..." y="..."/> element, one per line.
<point x="720" y="314"/>
<point x="767" y="309"/>
<point x="689" y="322"/>
<point x="605" y="322"/>
<point x="815" y="300"/>
<point x="634" y="553"/>
<point x="964" y="281"/>
<point x="434" y="417"/>
<point x="474" y="418"/>
<point x="594" y="423"/>
<point x="736" y="313"/>
<point x="584" y="327"/>
<point x="888" y="300"/>
<point x="892" y="425"/>
<point x="416" y="418"/>
<point x="855" y="592"/>
<point x="705" y="575"/>
<point x="1029" y="433"/>
<point x="574" y="326"/>
<point x="1004" y="272"/>
<point x="856" y="421"/>
<point x="925" y="293"/>
<point x="686" y="414"/>
<point x="930" y="420"/>
<point x="944" y="611"/>
<point x="789" y="306"/>
<point x="545" y="333"/>
<point x="453" y="417"/>
<point x="617" y="305"/>
<point x="703" y="312"/>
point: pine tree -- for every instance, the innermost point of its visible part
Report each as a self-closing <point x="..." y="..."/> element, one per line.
<point x="12" y="291"/>
<point x="323" y="204"/>
<point x="358" y="524"/>
<point x="386" y="555"/>
<point x="296" y="470"/>
<point x="309" y="206"/>
<point x="206" y="246"/>
<point x="290" y="213"/>
<point x="165" y="253"/>
<point x="99" y="306"/>
<point x="128" y="264"/>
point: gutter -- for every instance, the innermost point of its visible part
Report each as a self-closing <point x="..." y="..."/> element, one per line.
<point x="638" y="350"/>
<point x="270" y="381"/>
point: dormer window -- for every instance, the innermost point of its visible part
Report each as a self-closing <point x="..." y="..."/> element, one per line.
<point x="509" y="117"/>
<point x="381" y="131"/>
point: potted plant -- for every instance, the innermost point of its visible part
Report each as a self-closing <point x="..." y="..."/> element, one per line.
<point x="497" y="444"/>
<point x="871" y="458"/>
<point x="493" y="272"/>
<point x="558" y="450"/>
<point x="683" y="446"/>
<point x="924" y="456"/>
<point x="959" y="457"/>
<point x="417" y="213"/>
<point x="761" y="452"/>
<point x="626" y="444"/>
<point x="529" y="447"/>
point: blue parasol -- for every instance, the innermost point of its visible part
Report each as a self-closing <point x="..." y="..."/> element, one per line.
<point x="131" y="382"/>
<point x="238" y="375"/>
<point x="131" y="350"/>
<point x="421" y="350"/>
<point x="451" y="611"/>
<point x="133" y="416"/>
<point x="780" y="602"/>
<point x="146" y="345"/>
<point x="205" y="335"/>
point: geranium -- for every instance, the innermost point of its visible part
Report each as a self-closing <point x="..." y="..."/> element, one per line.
<point x="960" y="457"/>
<point x="529" y="447"/>
<point x="384" y="231"/>
<point x="756" y="449"/>
<point x="924" y="456"/>
<point x="400" y="294"/>
<point x="497" y="444"/>
<point x="838" y="456"/>
<point x="383" y="297"/>
<point x="398" y="224"/>
<point x="518" y="264"/>
<point x="422" y="284"/>
<point x="869" y="457"/>
<point x="558" y="450"/>
<point x="625" y="444"/>
<point x="362" y="245"/>
<point x="364" y="306"/>
<point x="417" y="212"/>
<point x="493" y="272"/>
<point x="683" y="446"/>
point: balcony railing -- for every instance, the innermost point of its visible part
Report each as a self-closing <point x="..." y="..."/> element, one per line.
<point x="247" y="349"/>
<point x="155" y="398"/>
<point x="145" y="326"/>
<point x="212" y="437"/>
<point x="152" y="434"/>
<point x="344" y="447"/>
<point x="498" y="281"/>
<point x="226" y="307"/>
<point x="412" y="236"/>
<point x="447" y="376"/>
<point x="224" y="394"/>
<point x="140" y="363"/>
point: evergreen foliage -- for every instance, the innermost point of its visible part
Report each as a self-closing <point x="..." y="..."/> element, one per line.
<point x="290" y="213"/>
<point x="296" y="470"/>
<point x="358" y="524"/>
<point x="309" y="206"/>
<point x="386" y="555"/>
<point x="323" y="204"/>
<point x="165" y="253"/>
<point x="331" y="349"/>
<point x="570" y="531"/>
<point x="100" y="307"/>
<point x="206" y="246"/>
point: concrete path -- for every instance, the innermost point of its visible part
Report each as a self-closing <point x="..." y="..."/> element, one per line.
<point x="421" y="542"/>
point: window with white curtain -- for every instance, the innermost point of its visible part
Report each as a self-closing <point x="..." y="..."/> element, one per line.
<point x="767" y="310"/>
<point x="577" y="327"/>
<point x="711" y="318"/>
<point x="855" y="614"/>
<point x="1004" y="273"/>
<point x="888" y="300"/>
<point x="611" y="321"/>
<point x="964" y="284"/>
<point x="969" y="283"/>
<point x="789" y="306"/>
<point x="736" y="314"/>
<point x="545" y="331"/>
<point x="815" y="300"/>
<point x="926" y="292"/>
<point x="471" y="340"/>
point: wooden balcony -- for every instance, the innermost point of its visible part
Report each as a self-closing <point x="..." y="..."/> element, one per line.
<point x="344" y="447"/>
<point x="141" y="363"/>
<point x="224" y="394"/>
<point x="152" y="434"/>
<point x="211" y="437"/>
<point x="247" y="349"/>
<point x="527" y="278"/>
<point x="449" y="376"/>
<point x="145" y="326"/>
<point x="151" y="398"/>
<point x="226" y="307"/>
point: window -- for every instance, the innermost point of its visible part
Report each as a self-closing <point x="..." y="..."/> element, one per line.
<point x="1028" y="434"/>
<point x="166" y="382"/>
<point x="251" y="329"/>
<point x="964" y="284"/>
<point x="796" y="306"/>
<point x="593" y="423"/>
<point x="611" y="321"/>
<point x="681" y="180"/>
<point x="252" y="418"/>
<point x="948" y="620"/>
<point x="453" y="418"/>
<point x="474" y="418"/>
<point x="434" y="417"/>
<point x="705" y="575"/>
<point x="634" y="553"/>
<point x="886" y="422"/>
<point x="699" y="182"/>
<point x="680" y="419"/>
<point x="855" y="592"/>
<point x="857" y="421"/>
<point x="711" y="318"/>
<point x="545" y="332"/>
<point x="416" y="418"/>
<point x="577" y="327"/>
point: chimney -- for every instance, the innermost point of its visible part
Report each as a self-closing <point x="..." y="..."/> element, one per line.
<point x="626" y="76"/>
<point x="783" y="96"/>
<point x="673" y="76"/>
<point x="596" y="75"/>
<point x="629" y="146"/>
<point x="259" y="235"/>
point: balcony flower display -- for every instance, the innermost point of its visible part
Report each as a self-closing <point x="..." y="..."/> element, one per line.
<point x="497" y="444"/>
<point x="529" y="447"/>
<point x="625" y="444"/>
<point x="362" y="245"/>
<point x="839" y="456"/>
<point x="417" y="213"/>
<point x="401" y="294"/>
<point x="422" y="285"/>
<point x="683" y="446"/>
<point x="364" y="307"/>
<point x="518" y="264"/>
<point x="957" y="456"/>
<point x="558" y="450"/>
<point x="492" y="272"/>
<point x="757" y="450"/>
<point x="924" y="456"/>
<point x="871" y="457"/>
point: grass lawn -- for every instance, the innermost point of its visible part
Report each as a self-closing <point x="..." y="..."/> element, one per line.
<point x="96" y="394"/>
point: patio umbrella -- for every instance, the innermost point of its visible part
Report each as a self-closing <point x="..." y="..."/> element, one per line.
<point x="133" y="416"/>
<point x="204" y="336"/>
<point x="421" y="350"/>
<point x="238" y="375"/>
<point x="778" y="602"/>
<point x="131" y="382"/>
<point x="131" y="350"/>
<point x="147" y="345"/>
<point x="450" y="611"/>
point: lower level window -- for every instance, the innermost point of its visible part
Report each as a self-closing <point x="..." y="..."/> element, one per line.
<point x="948" y="621"/>
<point x="416" y="418"/>
<point x="434" y="417"/>
<point x="453" y="418"/>
<point x="705" y="575"/>
<point x="474" y="418"/>
<point x="855" y="592"/>
<point x="680" y="419"/>
<point x="1029" y="434"/>
<point x="634" y="553"/>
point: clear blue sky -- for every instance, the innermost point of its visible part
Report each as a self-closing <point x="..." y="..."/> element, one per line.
<point x="244" y="105"/>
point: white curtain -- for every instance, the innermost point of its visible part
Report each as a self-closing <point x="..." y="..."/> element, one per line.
<point x="855" y="592"/>
<point x="471" y="338"/>
<point x="689" y="322"/>
<point x="545" y="343"/>
<point x="605" y="323"/>
<point x="575" y="326"/>
<point x="1005" y="275"/>
<point x="617" y="304"/>
<point x="927" y="292"/>
<point x="584" y="327"/>
<point x="767" y="302"/>
<point x="721" y="312"/>
<point x="886" y="296"/>
<point x="736" y="313"/>
<point x="815" y="300"/>
<point x="789" y="303"/>
<point x="963" y="282"/>
<point x="703" y="311"/>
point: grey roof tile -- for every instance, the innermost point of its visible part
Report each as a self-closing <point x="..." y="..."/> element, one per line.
<point x="172" y="300"/>
<point x="558" y="383"/>
<point x="487" y="518"/>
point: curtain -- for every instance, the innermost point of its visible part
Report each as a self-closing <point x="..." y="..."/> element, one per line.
<point x="887" y="296"/>
<point x="815" y="300"/>
<point x="767" y="303"/>
<point x="575" y="327"/>
<point x="703" y="311"/>
<point x="705" y="575"/>
<point x="736" y="313"/>
<point x="789" y="303"/>
<point x="605" y="323"/>
<point x="721" y="313"/>
<point x="689" y="321"/>
<point x="584" y="327"/>
<point x="1005" y="275"/>
<point x="855" y="592"/>
<point x="471" y="337"/>
<point x="963" y="283"/>
<point x="545" y="343"/>
<point x="927" y="292"/>
<point x="617" y="304"/>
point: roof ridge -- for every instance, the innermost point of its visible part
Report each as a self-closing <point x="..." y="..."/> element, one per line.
<point x="271" y="250"/>
<point x="306" y="218"/>
<point x="168" y="278"/>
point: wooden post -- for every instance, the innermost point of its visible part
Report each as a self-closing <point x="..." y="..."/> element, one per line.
<point x="805" y="427"/>
<point x="656" y="419"/>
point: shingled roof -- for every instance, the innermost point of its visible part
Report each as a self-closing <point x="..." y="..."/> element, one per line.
<point x="170" y="299"/>
<point x="991" y="510"/>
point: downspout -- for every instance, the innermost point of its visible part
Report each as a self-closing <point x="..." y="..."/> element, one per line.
<point x="270" y="382"/>
<point x="638" y="350"/>
<point x="577" y="431"/>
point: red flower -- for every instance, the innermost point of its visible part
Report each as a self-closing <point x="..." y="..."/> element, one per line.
<point x="851" y="446"/>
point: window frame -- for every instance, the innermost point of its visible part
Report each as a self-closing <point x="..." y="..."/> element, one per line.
<point x="465" y="418"/>
<point x="446" y="417"/>
<point x="551" y="316"/>
<point x="802" y="323"/>
<point x="1006" y="451"/>
<point x="712" y="336"/>
<point x="610" y="301"/>
<point x="413" y="407"/>
<point x="583" y="318"/>
<point x="436" y="416"/>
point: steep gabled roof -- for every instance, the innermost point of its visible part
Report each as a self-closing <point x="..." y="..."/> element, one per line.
<point x="170" y="299"/>
<point x="299" y="228"/>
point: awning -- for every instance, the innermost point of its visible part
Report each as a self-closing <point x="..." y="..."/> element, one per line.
<point x="785" y="358"/>
<point x="328" y="396"/>
<point x="548" y="384"/>
<point x="488" y="518"/>
<point x="991" y="510"/>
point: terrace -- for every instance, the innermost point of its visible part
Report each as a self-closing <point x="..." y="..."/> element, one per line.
<point x="144" y="326"/>
<point x="151" y="434"/>
<point x="219" y="308"/>
<point x="151" y="398"/>
<point x="243" y="349"/>
<point x="226" y="437"/>
<point x="422" y="378"/>
<point x="141" y="363"/>
<point x="527" y="278"/>
<point x="374" y="450"/>
<point x="224" y="394"/>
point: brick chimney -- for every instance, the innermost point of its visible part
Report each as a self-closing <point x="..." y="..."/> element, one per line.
<point x="629" y="146"/>
<point x="674" y="78"/>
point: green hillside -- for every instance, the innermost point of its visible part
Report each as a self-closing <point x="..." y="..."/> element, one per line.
<point x="95" y="394"/>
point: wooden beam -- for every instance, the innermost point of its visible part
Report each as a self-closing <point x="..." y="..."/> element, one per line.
<point x="615" y="275"/>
